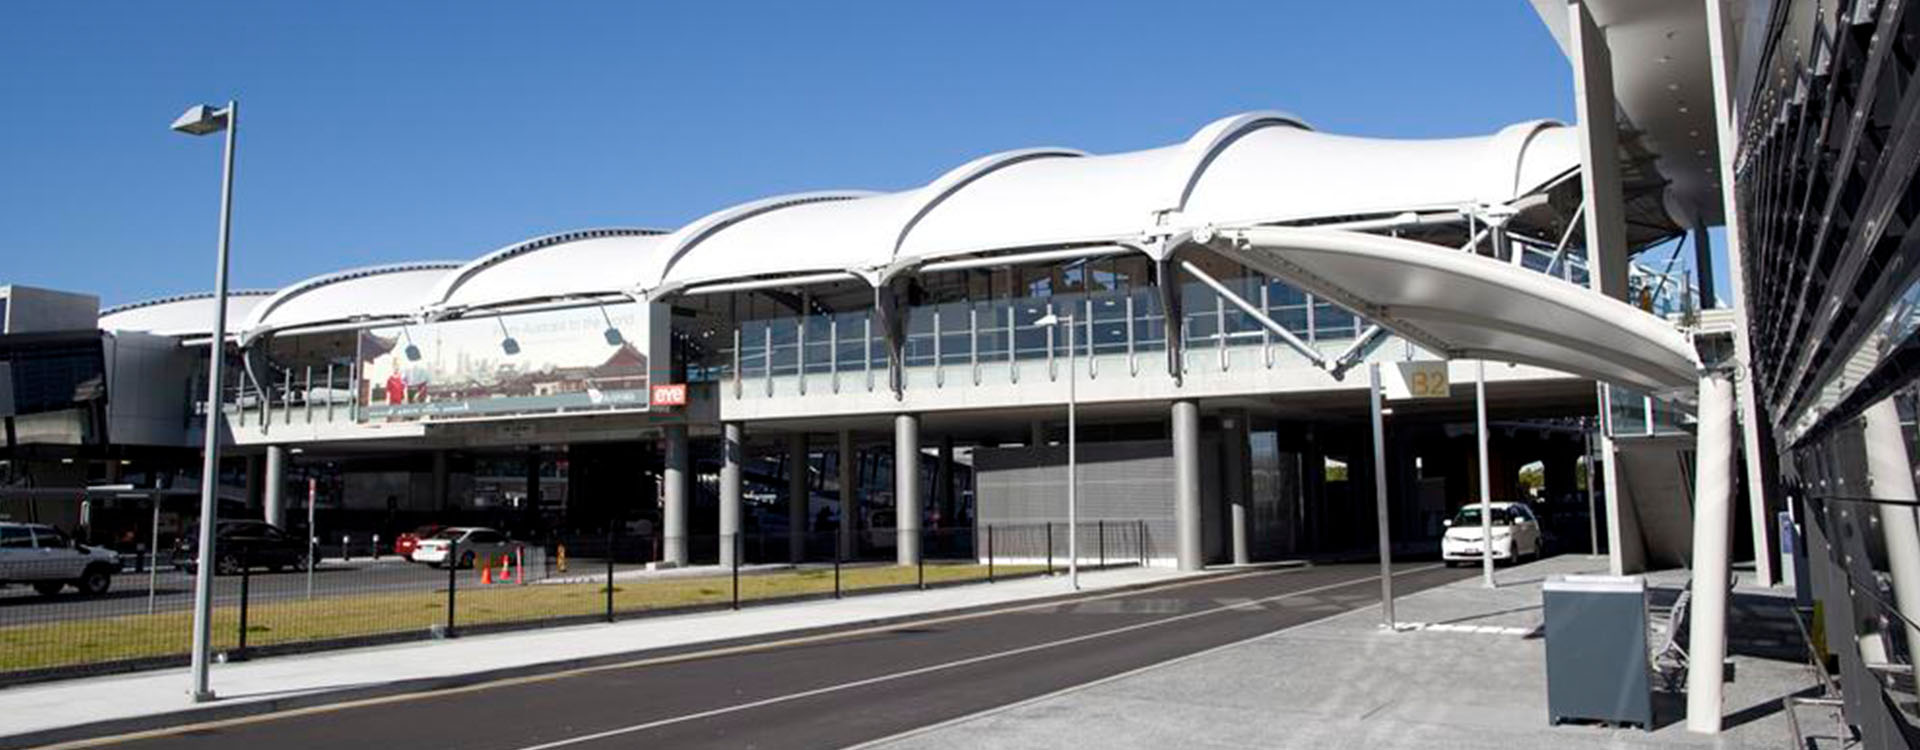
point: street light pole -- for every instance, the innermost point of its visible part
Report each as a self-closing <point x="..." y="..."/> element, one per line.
<point x="202" y="120"/>
<point x="1073" y="429"/>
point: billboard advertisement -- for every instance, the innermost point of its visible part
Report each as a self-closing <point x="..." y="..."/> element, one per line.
<point x="587" y="359"/>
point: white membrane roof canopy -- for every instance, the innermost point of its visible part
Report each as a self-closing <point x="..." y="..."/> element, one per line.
<point x="1253" y="167"/>
<point x="183" y="316"/>
<point x="586" y="264"/>
<point x="1471" y="306"/>
<point x="359" y="295"/>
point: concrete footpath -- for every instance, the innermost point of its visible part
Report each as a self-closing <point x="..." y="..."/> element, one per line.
<point x="1467" y="670"/>
<point x="42" y="713"/>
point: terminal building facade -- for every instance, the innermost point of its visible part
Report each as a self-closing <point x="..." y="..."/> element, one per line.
<point x="894" y="368"/>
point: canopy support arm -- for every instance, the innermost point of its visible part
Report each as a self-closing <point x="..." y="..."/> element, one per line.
<point x="1312" y="355"/>
<point x="1357" y="351"/>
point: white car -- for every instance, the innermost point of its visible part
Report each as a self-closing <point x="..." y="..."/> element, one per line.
<point x="469" y="543"/>
<point x="1516" y="534"/>
<point x="41" y="556"/>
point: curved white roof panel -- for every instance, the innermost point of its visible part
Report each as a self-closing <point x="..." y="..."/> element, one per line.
<point x="1287" y="174"/>
<point x="1473" y="306"/>
<point x="365" y="294"/>
<point x="187" y="315"/>
<point x="664" y="267"/>
<point x="582" y="264"/>
<point x="1258" y="167"/>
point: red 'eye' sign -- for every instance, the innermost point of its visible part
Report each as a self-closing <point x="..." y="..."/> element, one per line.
<point x="668" y="394"/>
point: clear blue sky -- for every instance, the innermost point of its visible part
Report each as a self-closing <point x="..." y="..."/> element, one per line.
<point x="384" y="132"/>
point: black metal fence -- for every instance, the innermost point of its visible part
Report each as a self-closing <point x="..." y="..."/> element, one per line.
<point x="59" y="619"/>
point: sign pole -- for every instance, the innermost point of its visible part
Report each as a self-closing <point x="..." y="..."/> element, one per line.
<point x="313" y="538"/>
<point x="1380" y="496"/>
<point x="1486" y="489"/>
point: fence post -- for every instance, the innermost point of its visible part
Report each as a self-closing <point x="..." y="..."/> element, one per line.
<point x="1140" y="540"/>
<point x="376" y="546"/>
<point x="738" y="550"/>
<point x="453" y="579"/>
<point x="1101" y="527"/>
<point x="989" y="553"/>
<point x="1049" y="548"/>
<point x="836" y="567"/>
<point x="610" y="541"/>
<point x="347" y="553"/>
<point x="240" y="652"/>
<point x="920" y="563"/>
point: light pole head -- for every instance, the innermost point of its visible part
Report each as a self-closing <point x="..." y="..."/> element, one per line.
<point x="1050" y="319"/>
<point x="202" y="119"/>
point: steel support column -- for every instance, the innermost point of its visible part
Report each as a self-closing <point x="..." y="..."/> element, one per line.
<point x="732" y="457"/>
<point x="1890" y="480"/>
<point x="673" y="513"/>
<point x="1238" y="484"/>
<point x="1712" y="521"/>
<point x="274" y="494"/>
<point x="849" y="495"/>
<point x="906" y="488"/>
<point x="799" y="490"/>
<point x="1186" y="484"/>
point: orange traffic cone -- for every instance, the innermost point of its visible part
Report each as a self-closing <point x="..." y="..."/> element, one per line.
<point x="486" y="574"/>
<point x="506" y="568"/>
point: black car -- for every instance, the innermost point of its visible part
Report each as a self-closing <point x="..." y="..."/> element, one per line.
<point x="241" y="545"/>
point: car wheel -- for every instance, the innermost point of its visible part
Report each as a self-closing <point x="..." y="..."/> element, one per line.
<point x="227" y="565"/>
<point x="95" y="581"/>
<point x="49" y="588"/>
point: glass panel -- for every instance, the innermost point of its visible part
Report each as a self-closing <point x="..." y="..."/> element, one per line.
<point x="785" y="357"/>
<point x="919" y="349"/>
<point x="993" y="330"/>
<point x="753" y="349"/>
<point x="1332" y="321"/>
<point x="819" y="343"/>
<point x="956" y="339"/>
<point x="1149" y="324"/>
<point x="853" y="331"/>
<point x="1109" y="323"/>
<point x="1029" y="340"/>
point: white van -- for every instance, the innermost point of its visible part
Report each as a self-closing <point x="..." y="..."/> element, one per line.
<point x="41" y="556"/>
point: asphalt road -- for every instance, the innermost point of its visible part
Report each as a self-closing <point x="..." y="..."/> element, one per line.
<point x="827" y="691"/>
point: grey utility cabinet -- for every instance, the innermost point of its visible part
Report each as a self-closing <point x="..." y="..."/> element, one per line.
<point x="1597" y="666"/>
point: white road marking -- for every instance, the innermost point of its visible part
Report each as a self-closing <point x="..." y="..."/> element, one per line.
<point x="957" y="663"/>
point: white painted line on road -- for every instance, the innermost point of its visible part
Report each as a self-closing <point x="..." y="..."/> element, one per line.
<point x="214" y="724"/>
<point x="930" y="728"/>
<point x="955" y="664"/>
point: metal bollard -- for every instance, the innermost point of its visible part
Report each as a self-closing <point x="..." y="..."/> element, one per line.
<point x="920" y="563"/>
<point x="246" y="577"/>
<point x="1101" y="525"/>
<point x="836" y="571"/>
<point x="345" y="554"/>
<point x="609" y="576"/>
<point x="738" y="549"/>
<point x="453" y="580"/>
<point x="1049" y="548"/>
<point x="989" y="553"/>
<point x="376" y="546"/>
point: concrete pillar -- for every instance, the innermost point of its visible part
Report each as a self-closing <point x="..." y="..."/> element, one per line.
<point x="849" y="495"/>
<point x="732" y="457"/>
<point x="1890" y="478"/>
<point x="673" y="513"/>
<point x="440" y="483"/>
<point x="1712" y="519"/>
<point x="1760" y="479"/>
<point x="1703" y="266"/>
<point x="799" y="491"/>
<point x="1036" y="434"/>
<point x="944" y="485"/>
<point x="1238" y="484"/>
<point x="906" y="487"/>
<point x="1605" y="216"/>
<point x="275" y="493"/>
<point x="256" y="470"/>
<point x="1186" y="483"/>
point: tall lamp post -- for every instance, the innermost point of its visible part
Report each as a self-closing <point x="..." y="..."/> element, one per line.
<point x="1073" y="480"/>
<point x="204" y="120"/>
